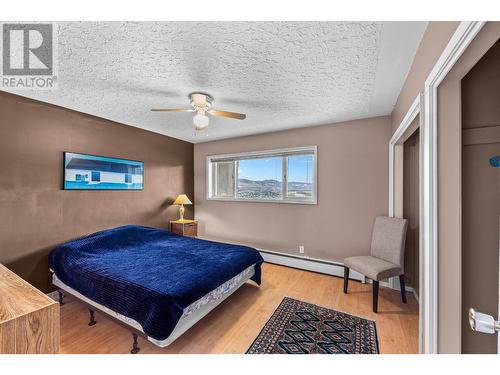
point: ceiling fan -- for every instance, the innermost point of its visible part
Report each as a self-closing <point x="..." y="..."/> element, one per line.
<point x="202" y="105"/>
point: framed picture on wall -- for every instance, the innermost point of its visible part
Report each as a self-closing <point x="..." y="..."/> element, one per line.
<point x="91" y="172"/>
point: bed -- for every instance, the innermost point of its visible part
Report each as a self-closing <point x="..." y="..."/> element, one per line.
<point x="156" y="283"/>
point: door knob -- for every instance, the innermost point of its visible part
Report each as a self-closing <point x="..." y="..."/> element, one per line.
<point x="482" y="322"/>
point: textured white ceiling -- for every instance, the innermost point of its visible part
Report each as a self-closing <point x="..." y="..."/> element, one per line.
<point x="281" y="74"/>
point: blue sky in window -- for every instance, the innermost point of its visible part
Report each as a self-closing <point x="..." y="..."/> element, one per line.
<point x="299" y="169"/>
<point x="260" y="169"/>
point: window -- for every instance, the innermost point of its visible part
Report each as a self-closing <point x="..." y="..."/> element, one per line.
<point x="260" y="178"/>
<point x="286" y="175"/>
<point x="224" y="179"/>
<point x="300" y="176"/>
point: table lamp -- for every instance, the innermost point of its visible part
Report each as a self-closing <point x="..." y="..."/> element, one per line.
<point x="181" y="200"/>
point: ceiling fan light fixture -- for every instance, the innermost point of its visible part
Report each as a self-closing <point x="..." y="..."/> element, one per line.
<point x="200" y="121"/>
<point x="201" y="103"/>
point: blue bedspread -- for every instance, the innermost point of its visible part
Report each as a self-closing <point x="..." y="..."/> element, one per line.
<point x="149" y="274"/>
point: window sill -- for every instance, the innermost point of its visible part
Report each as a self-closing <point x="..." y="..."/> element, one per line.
<point x="288" y="201"/>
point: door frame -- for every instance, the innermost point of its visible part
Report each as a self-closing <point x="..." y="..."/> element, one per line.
<point x="428" y="108"/>
<point x="400" y="136"/>
<point x="463" y="36"/>
<point x="402" y="133"/>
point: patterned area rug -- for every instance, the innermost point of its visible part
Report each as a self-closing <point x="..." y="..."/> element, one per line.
<point x="298" y="327"/>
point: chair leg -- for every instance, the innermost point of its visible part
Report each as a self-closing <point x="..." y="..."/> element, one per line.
<point x="346" y="279"/>
<point x="375" y="296"/>
<point x="403" y="290"/>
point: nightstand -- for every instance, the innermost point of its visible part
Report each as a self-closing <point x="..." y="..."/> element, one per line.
<point x="188" y="228"/>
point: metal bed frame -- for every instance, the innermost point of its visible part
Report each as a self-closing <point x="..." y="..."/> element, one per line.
<point x="135" y="332"/>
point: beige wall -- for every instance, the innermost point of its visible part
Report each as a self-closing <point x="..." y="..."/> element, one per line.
<point x="436" y="37"/>
<point x="36" y="214"/>
<point x="352" y="190"/>
<point x="449" y="218"/>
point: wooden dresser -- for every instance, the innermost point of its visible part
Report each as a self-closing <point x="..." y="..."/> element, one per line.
<point x="29" y="319"/>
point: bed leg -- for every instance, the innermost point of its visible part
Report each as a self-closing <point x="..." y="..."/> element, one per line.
<point x="61" y="297"/>
<point x="92" y="318"/>
<point x="135" y="345"/>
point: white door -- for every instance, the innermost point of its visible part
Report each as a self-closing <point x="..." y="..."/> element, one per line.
<point x="481" y="322"/>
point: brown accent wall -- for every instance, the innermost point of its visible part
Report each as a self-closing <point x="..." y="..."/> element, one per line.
<point x="352" y="190"/>
<point x="36" y="214"/>
<point x="481" y="92"/>
<point x="411" y="207"/>
<point x="479" y="242"/>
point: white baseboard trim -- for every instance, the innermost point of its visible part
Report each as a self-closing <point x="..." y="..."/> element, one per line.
<point x="319" y="265"/>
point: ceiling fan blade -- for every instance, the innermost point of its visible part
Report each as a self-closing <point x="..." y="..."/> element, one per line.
<point x="171" y="110"/>
<point x="237" y="116"/>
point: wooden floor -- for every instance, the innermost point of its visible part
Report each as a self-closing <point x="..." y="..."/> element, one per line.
<point x="233" y="325"/>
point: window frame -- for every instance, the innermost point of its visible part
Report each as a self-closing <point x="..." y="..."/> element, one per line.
<point x="283" y="152"/>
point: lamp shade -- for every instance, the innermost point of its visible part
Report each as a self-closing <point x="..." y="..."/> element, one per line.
<point x="182" y="199"/>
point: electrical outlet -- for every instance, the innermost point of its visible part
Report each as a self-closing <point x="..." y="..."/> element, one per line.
<point x="301" y="249"/>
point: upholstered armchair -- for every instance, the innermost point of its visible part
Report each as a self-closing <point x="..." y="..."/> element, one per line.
<point x="387" y="256"/>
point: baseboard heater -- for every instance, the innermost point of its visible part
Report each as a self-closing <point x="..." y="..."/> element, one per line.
<point x="321" y="266"/>
<point x="308" y="264"/>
